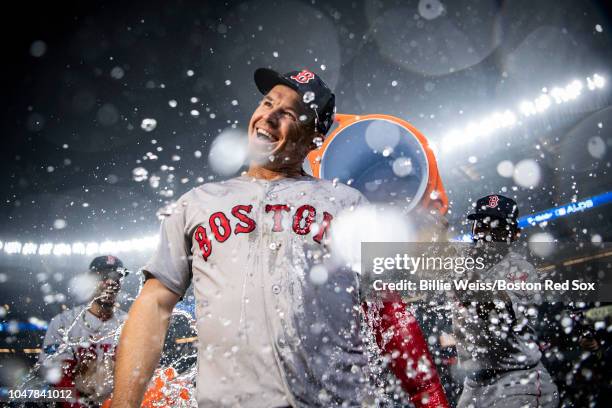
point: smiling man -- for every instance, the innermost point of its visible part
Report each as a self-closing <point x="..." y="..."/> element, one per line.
<point x="278" y="325"/>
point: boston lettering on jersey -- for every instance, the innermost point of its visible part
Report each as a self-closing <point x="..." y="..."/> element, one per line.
<point x="220" y="226"/>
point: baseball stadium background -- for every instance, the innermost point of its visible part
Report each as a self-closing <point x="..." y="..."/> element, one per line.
<point x="111" y="110"/>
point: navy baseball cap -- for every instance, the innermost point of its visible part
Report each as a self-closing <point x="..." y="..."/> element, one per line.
<point x="107" y="263"/>
<point x="315" y="93"/>
<point x="496" y="206"/>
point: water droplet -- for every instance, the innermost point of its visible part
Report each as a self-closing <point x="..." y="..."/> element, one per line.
<point x="59" y="224"/>
<point x="148" y="124"/>
<point x="154" y="181"/>
<point x="567" y="322"/>
<point x="139" y="174"/>
<point x="527" y="173"/>
<point x="505" y="168"/>
<point x="596" y="147"/>
<point x="318" y="274"/>
<point x="38" y="49"/>
<point x="430" y="9"/>
<point x="402" y="166"/>
<point x="117" y="72"/>
<point x="308" y="97"/>
<point x="53" y="374"/>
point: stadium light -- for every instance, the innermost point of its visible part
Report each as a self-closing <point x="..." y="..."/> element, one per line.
<point x="146" y="243"/>
<point x="475" y="130"/>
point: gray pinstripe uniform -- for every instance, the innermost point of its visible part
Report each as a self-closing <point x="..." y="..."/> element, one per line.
<point x="498" y="351"/>
<point x="268" y="336"/>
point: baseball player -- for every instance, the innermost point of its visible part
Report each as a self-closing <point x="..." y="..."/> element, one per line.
<point x="272" y="332"/>
<point x="80" y="342"/>
<point x="496" y="344"/>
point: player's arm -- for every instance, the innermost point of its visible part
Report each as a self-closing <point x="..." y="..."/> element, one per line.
<point x="141" y="342"/>
<point x="398" y="335"/>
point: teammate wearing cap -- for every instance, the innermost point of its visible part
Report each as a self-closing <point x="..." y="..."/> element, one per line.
<point x="80" y="343"/>
<point x="496" y="344"/>
<point x="269" y="334"/>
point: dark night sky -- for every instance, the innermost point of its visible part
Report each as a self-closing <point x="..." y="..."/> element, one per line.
<point x="109" y="65"/>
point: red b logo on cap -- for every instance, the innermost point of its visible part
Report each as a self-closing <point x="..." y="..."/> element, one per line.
<point x="493" y="200"/>
<point x="303" y="77"/>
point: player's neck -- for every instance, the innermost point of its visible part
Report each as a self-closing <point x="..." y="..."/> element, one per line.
<point x="269" y="174"/>
<point x="101" y="312"/>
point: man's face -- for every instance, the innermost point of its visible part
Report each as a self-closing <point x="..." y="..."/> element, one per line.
<point x="109" y="284"/>
<point x="491" y="229"/>
<point x="279" y="135"/>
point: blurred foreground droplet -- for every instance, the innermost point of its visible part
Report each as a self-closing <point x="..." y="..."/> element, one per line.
<point x="228" y="152"/>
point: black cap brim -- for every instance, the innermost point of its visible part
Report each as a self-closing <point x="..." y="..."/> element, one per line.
<point x="121" y="270"/>
<point x="266" y="79"/>
<point x="497" y="216"/>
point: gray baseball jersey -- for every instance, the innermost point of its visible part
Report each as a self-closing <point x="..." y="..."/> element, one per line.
<point x="75" y="331"/>
<point x="269" y="334"/>
<point x="512" y="389"/>
<point x="503" y="339"/>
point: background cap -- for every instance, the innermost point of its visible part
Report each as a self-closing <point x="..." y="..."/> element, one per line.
<point x="496" y="206"/>
<point x="315" y="93"/>
<point x="107" y="263"/>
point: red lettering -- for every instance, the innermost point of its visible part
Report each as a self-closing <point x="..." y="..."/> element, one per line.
<point x="250" y="223"/>
<point x="299" y="217"/>
<point x="303" y="77"/>
<point x="202" y="239"/>
<point x="223" y="224"/>
<point x="278" y="216"/>
<point x="327" y="217"/>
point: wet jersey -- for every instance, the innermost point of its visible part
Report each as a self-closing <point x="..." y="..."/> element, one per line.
<point x="77" y="331"/>
<point x="277" y="324"/>
<point x="499" y="339"/>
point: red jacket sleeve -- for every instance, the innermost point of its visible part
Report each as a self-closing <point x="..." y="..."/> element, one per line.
<point x="399" y="336"/>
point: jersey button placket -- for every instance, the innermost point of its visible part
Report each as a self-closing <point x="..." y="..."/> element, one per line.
<point x="271" y="196"/>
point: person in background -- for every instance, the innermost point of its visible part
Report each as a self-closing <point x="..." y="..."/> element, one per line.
<point x="496" y="343"/>
<point x="79" y="345"/>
